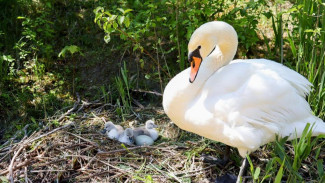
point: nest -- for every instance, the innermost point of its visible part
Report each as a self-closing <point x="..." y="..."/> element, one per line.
<point x="76" y="151"/>
<point x="71" y="148"/>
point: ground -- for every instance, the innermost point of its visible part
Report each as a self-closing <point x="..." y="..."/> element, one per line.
<point x="73" y="149"/>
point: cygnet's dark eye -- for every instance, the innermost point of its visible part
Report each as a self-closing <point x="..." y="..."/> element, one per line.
<point x="199" y="47"/>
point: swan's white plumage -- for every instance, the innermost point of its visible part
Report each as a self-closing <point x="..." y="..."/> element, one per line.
<point x="243" y="104"/>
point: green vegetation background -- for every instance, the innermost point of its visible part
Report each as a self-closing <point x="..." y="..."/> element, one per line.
<point x="109" y="50"/>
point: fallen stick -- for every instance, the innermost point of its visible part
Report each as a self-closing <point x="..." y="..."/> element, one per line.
<point x="23" y="145"/>
<point x="53" y="131"/>
<point x="75" y="105"/>
<point x="84" y="139"/>
<point x="17" y="167"/>
<point x="95" y="159"/>
<point x="150" y="92"/>
<point x="102" y="153"/>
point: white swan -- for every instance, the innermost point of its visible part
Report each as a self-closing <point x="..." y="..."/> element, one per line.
<point x="242" y="103"/>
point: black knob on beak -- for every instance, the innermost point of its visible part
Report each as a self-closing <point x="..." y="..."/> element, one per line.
<point x="195" y="53"/>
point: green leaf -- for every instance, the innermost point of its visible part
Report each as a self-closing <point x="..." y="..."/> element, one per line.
<point x="121" y="19"/>
<point x="4" y="179"/>
<point x="48" y="4"/>
<point x="320" y="168"/>
<point x="121" y="10"/>
<point x="309" y="30"/>
<point x="99" y="8"/>
<point x="141" y="63"/>
<point x="257" y="173"/>
<point x="251" y="167"/>
<point x="126" y="11"/>
<point x="108" y="13"/>
<point x="292" y="46"/>
<point x="115" y="25"/>
<point x="279" y="174"/>
<point x="149" y="179"/>
<point x="72" y="49"/>
<point x="113" y="17"/>
<point x="107" y="38"/>
<point x="147" y="76"/>
<point x="105" y="25"/>
<point x="127" y="22"/>
<point x="7" y="58"/>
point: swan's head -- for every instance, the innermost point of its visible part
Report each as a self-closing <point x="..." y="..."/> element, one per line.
<point x="215" y="37"/>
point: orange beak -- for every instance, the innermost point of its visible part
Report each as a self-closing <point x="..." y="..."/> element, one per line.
<point x="195" y="65"/>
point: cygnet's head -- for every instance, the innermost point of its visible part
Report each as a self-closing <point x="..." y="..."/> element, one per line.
<point x="109" y="126"/>
<point x="151" y="125"/>
<point x="211" y="36"/>
<point x="129" y="133"/>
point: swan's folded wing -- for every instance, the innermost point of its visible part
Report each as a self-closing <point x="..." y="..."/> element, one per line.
<point x="297" y="81"/>
<point x="257" y="97"/>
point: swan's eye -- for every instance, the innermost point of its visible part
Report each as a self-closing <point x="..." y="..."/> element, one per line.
<point x="199" y="47"/>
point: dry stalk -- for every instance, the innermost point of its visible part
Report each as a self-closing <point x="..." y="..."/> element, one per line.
<point x="72" y="109"/>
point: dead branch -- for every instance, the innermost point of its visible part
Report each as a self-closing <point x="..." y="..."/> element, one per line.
<point x="84" y="139"/>
<point x="25" y="163"/>
<point x="150" y="92"/>
<point x="75" y="105"/>
<point x="23" y="145"/>
<point x="11" y="178"/>
<point x="101" y="153"/>
<point x="53" y="131"/>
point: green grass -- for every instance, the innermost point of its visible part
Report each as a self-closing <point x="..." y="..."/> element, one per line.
<point x="291" y="161"/>
<point x="304" y="45"/>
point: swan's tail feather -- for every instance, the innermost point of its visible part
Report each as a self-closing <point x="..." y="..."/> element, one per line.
<point x="318" y="128"/>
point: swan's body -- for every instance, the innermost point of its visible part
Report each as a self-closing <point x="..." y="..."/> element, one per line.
<point x="242" y="103"/>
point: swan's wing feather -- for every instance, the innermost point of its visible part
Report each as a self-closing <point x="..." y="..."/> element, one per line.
<point x="299" y="82"/>
<point x="256" y="97"/>
<point x="262" y="91"/>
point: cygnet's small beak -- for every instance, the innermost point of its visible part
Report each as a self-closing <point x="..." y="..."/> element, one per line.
<point x="103" y="131"/>
<point x="155" y="126"/>
<point x="195" y="59"/>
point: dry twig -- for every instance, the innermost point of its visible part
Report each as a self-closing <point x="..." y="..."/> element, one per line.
<point x="72" y="109"/>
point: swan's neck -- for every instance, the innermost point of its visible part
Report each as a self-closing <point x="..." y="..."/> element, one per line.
<point x="179" y="92"/>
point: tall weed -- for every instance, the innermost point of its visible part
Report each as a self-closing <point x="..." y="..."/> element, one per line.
<point x="123" y="87"/>
<point x="305" y="28"/>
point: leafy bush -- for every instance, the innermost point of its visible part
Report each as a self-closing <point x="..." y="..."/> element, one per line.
<point x="160" y="31"/>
